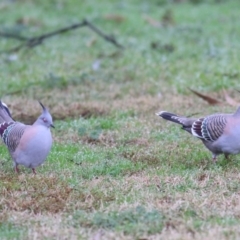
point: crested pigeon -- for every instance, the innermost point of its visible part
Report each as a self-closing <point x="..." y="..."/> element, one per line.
<point x="220" y="133"/>
<point x="28" y="145"/>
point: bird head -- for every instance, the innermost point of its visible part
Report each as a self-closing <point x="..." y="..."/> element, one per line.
<point x="45" y="118"/>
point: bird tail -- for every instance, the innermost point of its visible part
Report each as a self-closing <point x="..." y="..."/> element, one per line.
<point x="185" y="122"/>
<point x="170" y="117"/>
<point x="5" y="115"/>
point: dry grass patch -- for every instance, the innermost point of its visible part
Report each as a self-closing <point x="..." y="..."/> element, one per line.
<point x="143" y="155"/>
<point x="95" y="194"/>
<point x="137" y="142"/>
<point x="41" y="226"/>
<point x="104" y="139"/>
<point x="27" y="111"/>
<point x="33" y="193"/>
<point x="76" y="104"/>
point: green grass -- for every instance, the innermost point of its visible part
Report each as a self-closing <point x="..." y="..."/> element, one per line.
<point x="130" y="221"/>
<point x="9" y="231"/>
<point x="116" y="170"/>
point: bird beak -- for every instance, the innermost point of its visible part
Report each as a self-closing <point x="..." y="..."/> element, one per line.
<point x="52" y="126"/>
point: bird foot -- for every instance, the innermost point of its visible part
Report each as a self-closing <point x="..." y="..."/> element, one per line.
<point x="33" y="170"/>
<point x="226" y="156"/>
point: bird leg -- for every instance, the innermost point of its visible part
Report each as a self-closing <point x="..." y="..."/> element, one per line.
<point x="16" y="169"/>
<point x="226" y="156"/>
<point x="33" y="170"/>
<point x="214" y="158"/>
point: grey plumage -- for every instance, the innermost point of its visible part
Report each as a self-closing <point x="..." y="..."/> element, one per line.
<point x="220" y="133"/>
<point x="28" y="145"/>
<point x="12" y="133"/>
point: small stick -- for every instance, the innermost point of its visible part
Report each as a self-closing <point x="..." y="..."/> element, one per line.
<point x="35" y="41"/>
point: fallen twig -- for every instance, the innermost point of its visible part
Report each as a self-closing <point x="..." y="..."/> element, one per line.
<point x="213" y="101"/>
<point x="35" y="41"/>
<point x="14" y="36"/>
<point x="210" y="100"/>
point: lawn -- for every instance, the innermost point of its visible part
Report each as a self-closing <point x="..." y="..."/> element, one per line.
<point x="116" y="170"/>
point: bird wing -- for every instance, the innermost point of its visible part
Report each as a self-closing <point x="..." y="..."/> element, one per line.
<point x="210" y="128"/>
<point x="11" y="133"/>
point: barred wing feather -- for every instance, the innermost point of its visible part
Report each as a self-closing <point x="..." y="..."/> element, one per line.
<point x="209" y="128"/>
<point x="11" y="134"/>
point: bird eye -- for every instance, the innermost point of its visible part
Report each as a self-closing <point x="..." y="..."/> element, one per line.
<point x="44" y="119"/>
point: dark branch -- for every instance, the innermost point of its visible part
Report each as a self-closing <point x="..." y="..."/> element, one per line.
<point x="100" y="33"/>
<point x="32" y="42"/>
<point x="14" y="36"/>
<point x="35" y="41"/>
